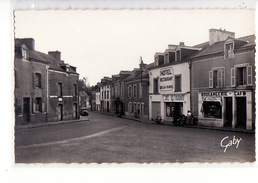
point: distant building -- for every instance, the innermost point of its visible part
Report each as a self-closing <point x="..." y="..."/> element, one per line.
<point x="223" y="81"/>
<point x="105" y="99"/>
<point x="169" y="90"/>
<point x="45" y="87"/>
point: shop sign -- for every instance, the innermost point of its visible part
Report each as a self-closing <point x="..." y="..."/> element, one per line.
<point x="173" y="97"/>
<point x="214" y="94"/>
<point x="211" y="98"/>
<point x="240" y="93"/>
<point x="166" y="79"/>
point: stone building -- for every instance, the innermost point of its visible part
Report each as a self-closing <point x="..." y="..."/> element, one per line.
<point x="169" y="90"/>
<point x="223" y="81"/>
<point x="45" y="87"/>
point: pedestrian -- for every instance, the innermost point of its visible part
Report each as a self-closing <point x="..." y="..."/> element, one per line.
<point x="189" y="117"/>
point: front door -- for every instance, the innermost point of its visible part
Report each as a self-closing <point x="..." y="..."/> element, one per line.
<point x="60" y="112"/>
<point x="241" y="112"/>
<point x="155" y="110"/>
<point x="26" y="109"/>
<point x="75" y="111"/>
<point x="228" y="112"/>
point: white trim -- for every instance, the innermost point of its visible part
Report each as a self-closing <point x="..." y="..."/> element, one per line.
<point x="52" y="96"/>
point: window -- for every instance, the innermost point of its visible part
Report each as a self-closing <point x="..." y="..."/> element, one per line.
<point x="178" y="56"/>
<point x="38" y="80"/>
<point x="161" y="59"/>
<point x="140" y="90"/>
<point x="38" y="104"/>
<point x="216" y="78"/>
<point x="241" y="76"/>
<point x="24" y="54"/>
<point x="178" y="83"/>
<point x="138" y="108"/>
<point x="129" y="107"/>
<point x="17" y="79"/>
<point x="107" y="94"/>
<point x="212" y="109"/>
<point x="134" y="90"/>
<point x="229" y="51"/>
<point x="102" y="95"/>
<point x="134" y="107"/>
<point x="142" y="108"/>
<point x="172" y="57"/>
<point x="74" y="90"/>
<point x="130" y="91"/>
<point x="18" y="107"/>
<point x="155" y="85"/>
<point x="166" y="58"/>
<point x="60" y="90"/>
<point x="122" y="90"/>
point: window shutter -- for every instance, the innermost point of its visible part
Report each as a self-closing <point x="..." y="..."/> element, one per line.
<point x="220" y="78"/>
<point x="233" y="77"/>
<point x="210" y="79"/>
<point x="33" y="80"/>
<point x="249" y="75"/>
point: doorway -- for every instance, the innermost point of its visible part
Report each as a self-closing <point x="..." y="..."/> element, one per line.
<point x="241" y="112"/>
<point x="155" y="110"/>
<point x="60" y="112"/>
<point x="26" y="109"/>
<point x="228" y="112"/>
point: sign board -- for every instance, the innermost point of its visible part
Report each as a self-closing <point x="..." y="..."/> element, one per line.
<point x="166" y="79"/>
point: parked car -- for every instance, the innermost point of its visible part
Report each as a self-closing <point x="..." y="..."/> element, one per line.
<point x="84" y="112"/>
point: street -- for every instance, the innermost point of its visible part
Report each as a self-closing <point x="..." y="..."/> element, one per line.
<point x="109" y="139"/>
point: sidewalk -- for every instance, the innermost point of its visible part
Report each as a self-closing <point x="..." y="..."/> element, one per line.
<point x="36" y="125"/>
<point x="186" y="126"/>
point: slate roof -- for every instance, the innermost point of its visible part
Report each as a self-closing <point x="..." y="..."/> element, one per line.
<point x="218" y="47"/>
<point x="37" y="56"/>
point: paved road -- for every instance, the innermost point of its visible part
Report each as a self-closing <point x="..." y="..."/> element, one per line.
<point x="110" y="139"/>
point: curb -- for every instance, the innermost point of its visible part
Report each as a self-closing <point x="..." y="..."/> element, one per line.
<point x="37" y="125"/>
<point x="187" y="126"/>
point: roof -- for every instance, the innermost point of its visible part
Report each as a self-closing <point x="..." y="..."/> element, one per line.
<point x="50" y="60"/>
<point x="218" y="47"/>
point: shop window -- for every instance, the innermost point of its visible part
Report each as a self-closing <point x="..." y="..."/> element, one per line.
<point x="216" y="78"/>
<point x="60" y="90"/>
<point x="229" y="51"/>
<point x="178" y="83"/>
<point x="212" y="109"/>
<point x="155" y="85"/>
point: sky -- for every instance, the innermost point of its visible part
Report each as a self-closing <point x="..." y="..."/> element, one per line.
<point x="104" y="42"/>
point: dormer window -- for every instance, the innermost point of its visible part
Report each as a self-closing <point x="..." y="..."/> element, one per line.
<point x="229" y="51"/>
<point x="178" y="55"/>
<point x="67" y="68"/>
<point x="24" y="54"/>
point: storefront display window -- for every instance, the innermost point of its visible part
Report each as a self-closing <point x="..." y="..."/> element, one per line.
<point x="212" y="109"/>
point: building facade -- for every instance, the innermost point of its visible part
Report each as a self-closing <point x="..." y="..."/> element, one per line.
<point x="105" y="99"/>
<point x="30" y="83"/>
<point x="45" y="87"/>
<point x="169" y="90"/>
<point x="136" y="95"/>
<point x="223" y="81"/>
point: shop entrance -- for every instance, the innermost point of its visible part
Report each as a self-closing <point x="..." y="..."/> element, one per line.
<point x="174" y="109"/>
<point x="241" y="112"/>
<point x="228" y="112"/>
<point x="155" y="109"/>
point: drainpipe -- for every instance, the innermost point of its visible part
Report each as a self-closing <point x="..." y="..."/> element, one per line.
<point x="190" y="79"/>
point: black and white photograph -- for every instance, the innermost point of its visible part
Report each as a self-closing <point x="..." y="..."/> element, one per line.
<point x="133" y="86"/>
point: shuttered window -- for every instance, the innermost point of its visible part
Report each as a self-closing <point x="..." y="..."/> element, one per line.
<point x="249" y="75"/>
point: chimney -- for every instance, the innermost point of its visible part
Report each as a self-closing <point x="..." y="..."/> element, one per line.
<point x="29" y="42"/>
<point x="181" y="44"/>
<point x="217" y="35"/>
<point x="56" y="54"/>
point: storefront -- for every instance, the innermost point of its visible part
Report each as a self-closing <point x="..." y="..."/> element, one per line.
<point x="226" y="109"/>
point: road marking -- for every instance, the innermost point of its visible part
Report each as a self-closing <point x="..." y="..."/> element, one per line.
<point x="73" y="140"/>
